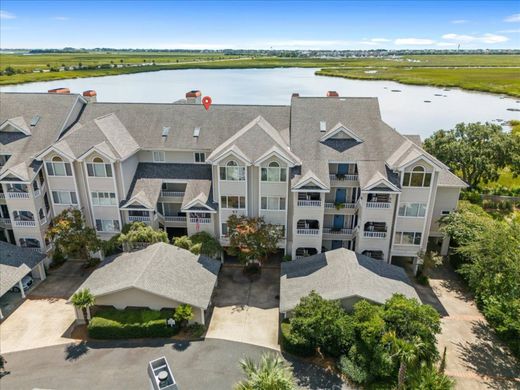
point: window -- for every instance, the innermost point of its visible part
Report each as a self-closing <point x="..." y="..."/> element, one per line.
<point x="23" y="215"/>
<point x="200" y="157"/>
<point x="232" y="172"/>
<point x="29" y="243"/>
<point x="407" y="238"/>
<point x="274" y="173"/>
<point x="417" y="178"/>
<point x="41" y="214"/>
<point x="412" y="210"/>
<point x="46" y="202"/>
<point x="57" y="167"/>
<point x="64" y="197"/>
<point x="233" y="202"/>
<point x="158" y="156"/>
<point x="445" y="212"/>
<point x="107" y="225"/>
<point x="103" y="198"/>
<point x="224" y="229"/>
<point x="17" y="188"/>
<point x="272" y="203"/>
<point x="97" y="168"/>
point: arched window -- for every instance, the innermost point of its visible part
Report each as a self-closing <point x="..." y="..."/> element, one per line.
<point x="97" y="168"/>
<point x="232" y="171"/>
<point x="418" y="177"/>
<point x="57" y="167"/>
<point x="274" y="173"/>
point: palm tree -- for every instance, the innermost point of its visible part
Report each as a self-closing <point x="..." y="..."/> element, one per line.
<point x="427" y="377"/>
<point x="83" y="300"/>
<point x="270" y="374"/>
<point x="406" y="352"/>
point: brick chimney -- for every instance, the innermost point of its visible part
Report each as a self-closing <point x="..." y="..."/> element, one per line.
<point x="332" y="94"/>
<point x="90" y="95"/>
<point x="59" y="90"/>
<point x="194" y="97"/>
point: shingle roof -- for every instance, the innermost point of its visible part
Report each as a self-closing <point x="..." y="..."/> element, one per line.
<point x="339" y="274"/>
<point x="161" y="269"/>
<point x="15" y="263"/>
<point x="448" y="179"/>
<point x="197" y="190"/>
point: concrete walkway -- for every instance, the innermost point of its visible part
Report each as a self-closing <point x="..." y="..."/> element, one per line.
<point x="246" y="311"/>
<point x="476" y="359"/>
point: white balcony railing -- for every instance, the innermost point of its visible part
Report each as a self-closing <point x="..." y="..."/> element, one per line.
<point x="340" y="206"/>
<point x="18" y="195"/>
<point x="5" y="221"/>
<point x="172" y="194"/>
<point x="308" y="232"/>
<point x="200" y="220"/>
<point x="2" y="195"/>
<point x="24" y="223"/>
<point x="378" y="205"/>
<point x="138" y="218"/>
<point x="374" y="234"/>
<point x="174" y="219"/>
<point x="333" y="177"/>
<point x="309" y="203"/>
<point x="337" y="231"/>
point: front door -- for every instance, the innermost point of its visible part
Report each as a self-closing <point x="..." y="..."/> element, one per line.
<point x="339" y="221"/>
<point x="341" y="195"/>
<point x="336" y="244"/>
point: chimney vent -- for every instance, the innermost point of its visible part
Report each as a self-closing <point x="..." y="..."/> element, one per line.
<point x="59" y="90"/>
<point x="194" y="97"/>
<point x="90" y="95"/>
<point x="295" y="95"/>
<point x="332" y="94"/>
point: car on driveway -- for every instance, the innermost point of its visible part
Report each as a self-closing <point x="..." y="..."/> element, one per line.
<point x="27" y="282"/>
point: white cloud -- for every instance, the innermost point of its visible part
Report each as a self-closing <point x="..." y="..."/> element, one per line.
<point x="61" y="18"/>
<point x="7" y="15"/>
<point x="486" y="38"/>
<point x="511" y="31"/>
<point x="459" y="21"/>
<point x="446" y="44"/>
<point x="379" y="40"/>
<point x="515" y="18"/>
<point x="414" y="41"/>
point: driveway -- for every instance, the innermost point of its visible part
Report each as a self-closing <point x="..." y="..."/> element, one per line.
<point x="476" y="359"/>
<point x="44" y="318"/>
<point x="246" y="311"/>
<point x="209" y="364"/>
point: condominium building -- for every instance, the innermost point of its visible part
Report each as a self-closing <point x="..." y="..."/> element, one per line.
<point x="328" y="170"/>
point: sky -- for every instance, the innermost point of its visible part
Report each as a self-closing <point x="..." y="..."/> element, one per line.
<point x="260" y="25"/>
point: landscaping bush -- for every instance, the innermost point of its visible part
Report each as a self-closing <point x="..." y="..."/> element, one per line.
<point x="292" y="343"/>
<point x="58" y="258"/>
<point x="130" y="323"/>
<point x="471" y="196"/>
<point x="351" y="370"/>
<point x="112" y="246"/>
<point x="183" y="314"/>
<point x="196" y="330"/>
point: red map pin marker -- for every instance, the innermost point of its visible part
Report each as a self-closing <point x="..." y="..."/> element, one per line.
<point x="206" y="102"/>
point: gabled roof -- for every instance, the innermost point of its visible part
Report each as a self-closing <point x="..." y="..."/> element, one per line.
<point x="448" y="179"/>
<point x="117" y="135"/>
<point x="340" y="129"/>
<point x="146" y="192"/>
<point x="18" y="123"/>
<point x="341" y="274"/>
<point x="375" y="173"/>
<point x="198" y="196"/>
<point x="310" y="179"/>
<point x="160" y="269"/>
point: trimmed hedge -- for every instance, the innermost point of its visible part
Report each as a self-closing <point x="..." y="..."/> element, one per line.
<point x="292" y="343"/>
<point x="131" y="323"/>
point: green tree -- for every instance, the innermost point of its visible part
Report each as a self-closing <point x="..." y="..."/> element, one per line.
<point x="139" y="232"/>
<point x="407" y="354"/>
<point x="271" y="373"/>
<point x="252" y="239"/>
<point x="70" y="234"/>
<point x="427" y="377"/>
<point x="209" y="245"/>
<point x="183" y="242"/>
<point x="9" y="71"/>
<point x="476" y="151"/>
<point x="83" y="300"/>
<point x="183" y="314"/>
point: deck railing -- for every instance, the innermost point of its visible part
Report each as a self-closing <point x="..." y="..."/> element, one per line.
<point x="138" y="218"/>
<point x="374" y="234"/>
<point x="337" y="231"/>
<point x="172" y="194"/>
<point x="5" y="221"/>
<point x="174" y="218"/>
<point x="308" y="232"/>
<point x="18" y="195"/>
<point x="309" y="203"/>
<point x="24" y="223"/>
<point x="329" y="205"/>
<point x="334" y="177"/>
<point x="200" y="220"/>
<point x="378" y="205"/>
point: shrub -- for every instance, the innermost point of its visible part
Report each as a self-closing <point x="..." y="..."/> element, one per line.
<point x="182" y="242"/>
<point x="112" y="246"/>
<point x="292" y="343"/>
<point x="196" y="330"/>
<point x="130" y="323"/>
<point x="183" y="314"/>
<point x="58" y="258"/>
<point x="287" y="258"/>
<point x="471" y="196"/>
<point x="92" y="262"/>
<point x="422" y="279"/>
<point x="206" y="244"/>
<point x="351" y="370"/>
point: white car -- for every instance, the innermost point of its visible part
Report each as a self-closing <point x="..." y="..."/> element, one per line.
<point x="27" y="282"/>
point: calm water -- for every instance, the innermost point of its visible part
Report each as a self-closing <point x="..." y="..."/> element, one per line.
<point x="405" y="110"/>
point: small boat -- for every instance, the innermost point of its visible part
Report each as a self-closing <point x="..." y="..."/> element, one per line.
<point x="396" y="90"/>
<point x="427" y="101"/>
<point x="514" y="109"/>
<point x="438" y="94"/>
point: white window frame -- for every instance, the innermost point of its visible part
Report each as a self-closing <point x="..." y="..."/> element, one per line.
<point x="158" y="156"/>
<point x="276" y="199"/>
<point x="197" y="157"/>
<point x="273" y="171"/>
<point x="96" y="198"/>
<point x="95" y="165"/>
<point x="105" y="222"/>
<point x="55" y="162"/>
<point x="417" y="170"/>
<point x="224" y="204"/>
<point x="409" y="206"/>
<point x="60" y="194"/>
<point x="232" y="172"/>
<point x="400" y="240"/>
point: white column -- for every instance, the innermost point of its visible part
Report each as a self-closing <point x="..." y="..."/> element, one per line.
<point x="202" y="316"/>
<point x="1" y="314"/>
<point x="41" y="267"/>
<point x="20" y="285"/>
<point x="445" y="245"/>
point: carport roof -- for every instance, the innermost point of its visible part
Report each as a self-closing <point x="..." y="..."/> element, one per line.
<point x="15" y="263"/>
<point x="161" y="269"/>
<point x="340" y="274"/>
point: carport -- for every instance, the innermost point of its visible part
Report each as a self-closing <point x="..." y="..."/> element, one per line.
<point x="17" y="262"/>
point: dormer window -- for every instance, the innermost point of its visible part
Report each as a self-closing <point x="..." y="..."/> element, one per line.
<point x="233" y="172"/>
<point x="57" y="167"/>
<point x="98" y="168"/>
<point x="418" y="177"/>
<point x="274" y="173"/>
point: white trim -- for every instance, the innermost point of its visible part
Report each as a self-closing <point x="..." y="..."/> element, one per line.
<point x="54" y="149"/>
<point x="92" y="150"/>
<point x="89" y="192"/>
<point x="340" y="128"/>
<point x="21" y="130"/>
<point x="274" y="152"/>
<point x="225" y="154"/>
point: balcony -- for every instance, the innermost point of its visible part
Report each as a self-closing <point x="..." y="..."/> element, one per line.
<point x="200" y="220"/>
<point x="139" y="218"/>
<point x="18" y="195"/>
<point x="340" y="208"/>
<point x="338" y="232"/>
<point x="172" y="194"/>
<point x="368" y="234"/>
<point x="24" y="224"/>
<point x="338" y="180"/>
<point x="378" y="205"/>
<point x="308" y="232"/>
<point x="174" y="219"/>
<point x="2" y="195"/>
<point x="5" y="221"/>
<point x="309" y="203"/>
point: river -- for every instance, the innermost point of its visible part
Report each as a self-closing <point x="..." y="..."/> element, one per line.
<point x="414" y="110"/>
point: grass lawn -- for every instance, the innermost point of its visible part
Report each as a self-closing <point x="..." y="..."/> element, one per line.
<point x="496" y="80"/>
